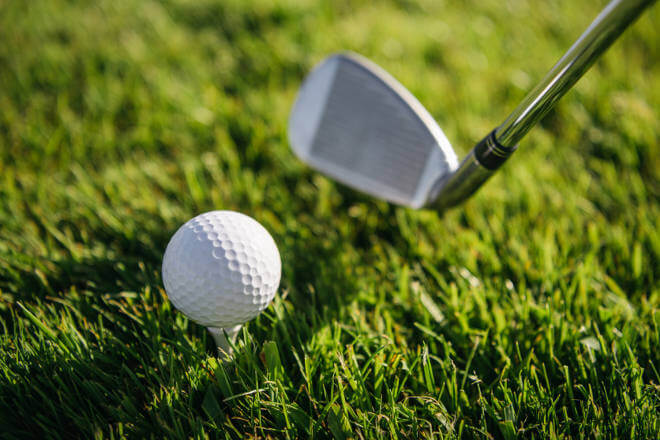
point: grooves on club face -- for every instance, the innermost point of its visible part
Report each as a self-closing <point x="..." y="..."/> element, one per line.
<point x="354" y="122"/>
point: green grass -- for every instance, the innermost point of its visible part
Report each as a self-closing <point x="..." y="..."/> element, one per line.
<point x="532" y="310"/>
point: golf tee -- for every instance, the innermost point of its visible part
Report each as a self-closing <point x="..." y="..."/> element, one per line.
<point x="222" y="340"/>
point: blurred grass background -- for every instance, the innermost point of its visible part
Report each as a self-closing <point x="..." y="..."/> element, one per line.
<point x="531" y="310"/>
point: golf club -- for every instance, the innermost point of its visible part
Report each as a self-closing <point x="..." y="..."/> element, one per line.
<point x="356" y="123"/>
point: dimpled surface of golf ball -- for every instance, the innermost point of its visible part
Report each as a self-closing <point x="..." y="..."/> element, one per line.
<point x="221" y="269"/>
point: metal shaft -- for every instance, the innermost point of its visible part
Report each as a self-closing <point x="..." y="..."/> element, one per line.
<point x="496" y="148"/>
<point x="606" y="28"/>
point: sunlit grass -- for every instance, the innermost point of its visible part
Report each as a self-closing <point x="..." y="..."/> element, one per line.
<point x="531" y="310"/>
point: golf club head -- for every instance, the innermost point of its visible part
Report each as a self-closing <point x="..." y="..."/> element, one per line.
<point x="354" y="122"/>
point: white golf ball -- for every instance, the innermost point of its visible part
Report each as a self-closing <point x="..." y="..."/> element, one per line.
<point x="221" y="269"/>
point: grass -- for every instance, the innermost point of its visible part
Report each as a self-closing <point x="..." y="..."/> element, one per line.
<point x="532" y="310"/>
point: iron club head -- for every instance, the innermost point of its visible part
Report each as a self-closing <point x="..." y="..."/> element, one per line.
<point x="354" y="122"/>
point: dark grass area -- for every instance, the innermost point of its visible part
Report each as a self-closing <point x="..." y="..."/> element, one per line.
<point x="532" y="310"/>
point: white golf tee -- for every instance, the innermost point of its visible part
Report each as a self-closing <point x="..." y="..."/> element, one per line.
<point x="222" y="341"/>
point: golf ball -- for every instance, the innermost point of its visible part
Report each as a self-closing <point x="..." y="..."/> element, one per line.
<point x="221" y="269"/>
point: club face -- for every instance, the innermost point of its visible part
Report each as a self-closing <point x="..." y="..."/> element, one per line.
<point x="354" y="122"/>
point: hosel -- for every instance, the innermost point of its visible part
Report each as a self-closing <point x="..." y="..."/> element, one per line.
<point x="484" y="159"/>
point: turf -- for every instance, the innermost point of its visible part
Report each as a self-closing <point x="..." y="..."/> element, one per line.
<point x="532" y="310"/>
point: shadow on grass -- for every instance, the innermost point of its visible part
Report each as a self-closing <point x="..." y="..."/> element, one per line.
<point x="81" y="393"/>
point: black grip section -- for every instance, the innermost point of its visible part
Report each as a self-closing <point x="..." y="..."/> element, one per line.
<point x="490" y="153"/>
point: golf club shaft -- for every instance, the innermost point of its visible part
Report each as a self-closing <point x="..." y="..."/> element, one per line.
<point x="495" y="149"/>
